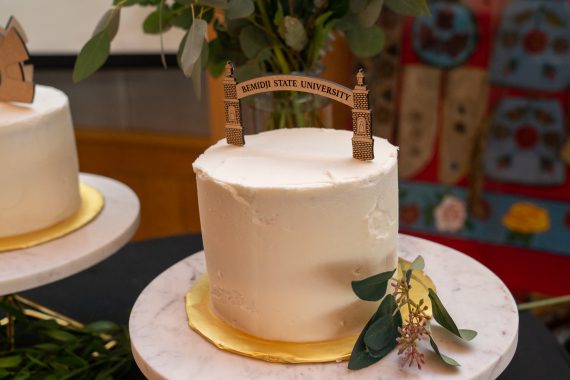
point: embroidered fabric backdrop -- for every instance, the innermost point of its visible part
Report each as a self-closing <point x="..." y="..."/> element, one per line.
<point x="477" y="98"/>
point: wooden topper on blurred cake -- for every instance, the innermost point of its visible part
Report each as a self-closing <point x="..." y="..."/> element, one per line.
<point x="357" y="99"/>
<point x="15" y="78"/>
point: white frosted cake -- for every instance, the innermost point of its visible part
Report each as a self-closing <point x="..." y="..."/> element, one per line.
<point x="288" y="221"/>
<point x="39" y="182"/>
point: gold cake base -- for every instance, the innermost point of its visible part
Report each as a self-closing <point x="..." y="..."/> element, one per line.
<point x="92" y="202"/>
<point x="202" y="320"/>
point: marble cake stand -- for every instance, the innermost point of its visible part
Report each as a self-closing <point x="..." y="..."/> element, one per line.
<point x="45" y="263"/>
<point x="164" y="347"/>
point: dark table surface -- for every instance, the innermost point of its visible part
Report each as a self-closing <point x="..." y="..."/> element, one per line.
<point x="108" y="291"/>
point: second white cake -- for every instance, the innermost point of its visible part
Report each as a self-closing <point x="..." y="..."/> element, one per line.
<point x="288" y="221"/>
<point x="39" y="173"/>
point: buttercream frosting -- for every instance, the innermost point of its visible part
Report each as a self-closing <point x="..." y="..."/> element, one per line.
<point x="39" y="182"/>
<point x="288" y="221"/>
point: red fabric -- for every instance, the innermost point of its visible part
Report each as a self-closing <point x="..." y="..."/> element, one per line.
<point x="522" y="270"/>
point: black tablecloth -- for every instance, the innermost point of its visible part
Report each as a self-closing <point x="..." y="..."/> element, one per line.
<point x="109" y="290"/>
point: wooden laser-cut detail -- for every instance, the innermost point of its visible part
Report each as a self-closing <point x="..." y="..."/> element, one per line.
<point x="357" y="99"/>
<point x="362" y="141"/>
<point x="15" y="77"/>
<point x="232" y="108"/>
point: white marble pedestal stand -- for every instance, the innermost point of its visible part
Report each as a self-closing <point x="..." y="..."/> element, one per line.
<point x="46" y="263"/>
<point x="165" y="347"/>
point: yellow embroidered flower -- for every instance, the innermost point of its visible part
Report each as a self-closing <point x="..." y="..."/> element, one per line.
<point x="526" y="218"/>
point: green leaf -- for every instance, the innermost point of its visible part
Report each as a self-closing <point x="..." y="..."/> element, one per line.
<point x="379" y="334"/>
<point x="109" y="22"/>
<point x="442" y="317"/>
<point x="196" y="77"/>
<point x="47" y="346"/>
<point x="216" y="58"/>
<point x="92" y="56"/>
<point x="128" y="3"/>
<point x="278" y="18"/>
<point x="193" y="46"/>
<point x="102" y="326"/>
<point x="60" y="335"/>
<point x="239" y="9"/>
<point x="418" y="263"/>
<point x="408" y="7"/>
<point x="446" y="359"/>
<point x="183" y="20"/>
<point x="248" y="71"/>
<point x="151" y="24"/>
<point x="72" y="361"/>
<point x="369" y="15"/>
<point x="322" y="30"/>
<point x="365" y="42"/>
<point x="467" y="334"/>
<point x="4" y="373"/>
<point x="36" y="361"/>
<point x="293" y="32"/>
<point x="362" y="356"/>
<point x="10" y="361"/>
<point x="372" y="288"/>
<point x="252" y="41"/>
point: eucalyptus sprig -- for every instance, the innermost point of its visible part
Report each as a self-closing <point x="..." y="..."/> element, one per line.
<point x="387" y="329"/>
<point x="258" y="36"/>
<point x="48" y="350"/>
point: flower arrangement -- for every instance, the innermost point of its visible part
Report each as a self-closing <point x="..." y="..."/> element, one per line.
<point x="281" y="36"/>
<point x="400" y="321"/>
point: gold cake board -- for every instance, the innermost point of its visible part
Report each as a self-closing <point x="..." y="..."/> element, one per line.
<point x="202" y="320"/>
<point x="92" y="202"/>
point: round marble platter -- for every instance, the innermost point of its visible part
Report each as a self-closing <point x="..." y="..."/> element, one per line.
<point x="165" y="347"/>
<point x="29" y="268"/>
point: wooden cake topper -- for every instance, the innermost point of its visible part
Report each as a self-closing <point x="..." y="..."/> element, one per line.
<point x="357" y="99"/>
<point x="15" y="77"/>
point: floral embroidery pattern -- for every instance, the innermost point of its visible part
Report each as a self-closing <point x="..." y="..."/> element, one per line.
<point x="538" y="224"/>
<point x="450" y="215"/>
<point x="525" y="219"/>
<point x="409" y="213"/>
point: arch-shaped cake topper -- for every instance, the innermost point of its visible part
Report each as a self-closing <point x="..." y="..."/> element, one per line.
<point x="357" y="99"/>
<point x="15" y="77"/>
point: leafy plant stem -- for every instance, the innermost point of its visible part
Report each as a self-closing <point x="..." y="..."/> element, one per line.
<point x="281" y="60"/>
<point x="162" y="56"/>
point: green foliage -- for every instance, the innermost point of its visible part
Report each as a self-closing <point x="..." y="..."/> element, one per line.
<point x="193" y="46"/>
<point x="365" y="42"/>
<point x="381" y="334"/>
<point x="239" y="9"/>
<point x="442" y="317"/>
<point x="252" y="42"/>
<point x="378" y="337"/>
<point x="92" y="56"/>
<point x="446" y="359"/>
<point x="374" y="287"/>
<point x="296" y="32"/>
<point x="158" y="21"/>
<point x="55" y="352"/>
<point x="110" y="22"/>
<point x="293" y="33"/>
<point x="368" y="15"/>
